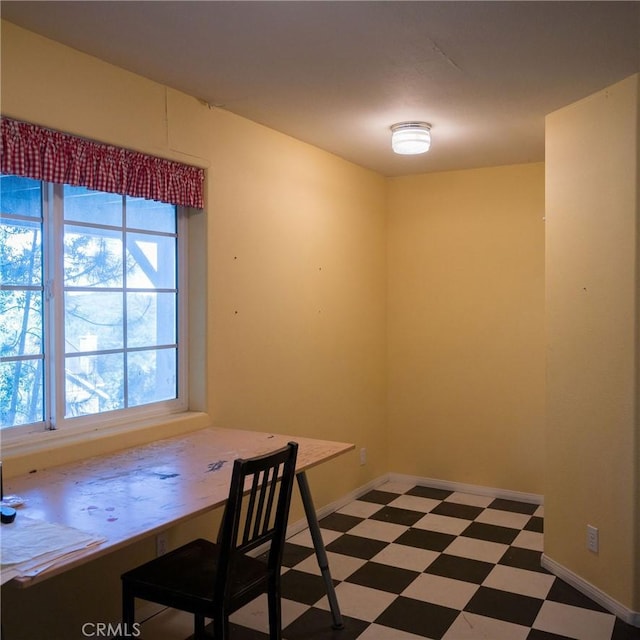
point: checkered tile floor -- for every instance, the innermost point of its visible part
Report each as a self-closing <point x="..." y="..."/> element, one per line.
<point x="412" y="562"/>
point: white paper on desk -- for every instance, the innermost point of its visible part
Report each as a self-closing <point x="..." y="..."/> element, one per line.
<point x="29" y="546"/>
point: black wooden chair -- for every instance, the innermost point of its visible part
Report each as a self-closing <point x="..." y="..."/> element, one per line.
<point x="214" y="580"/>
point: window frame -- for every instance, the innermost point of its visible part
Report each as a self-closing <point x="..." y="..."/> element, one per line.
<point x="53" y="320"/>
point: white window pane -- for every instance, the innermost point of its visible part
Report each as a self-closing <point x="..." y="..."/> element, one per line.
<point x="94" y="384"/>
<point x="20" y="196"/>
<point x="152" y="376"/>
<point x="151" y="261"/>
<point x="21" y="392"/>
<point x="92" y="257"/>
<point x="20" y="323"/>
<point x="150" y="215"/>
<point x="21" y="253"/>
<point x="151" y="319"/>
<point x="93" y="321"/>
<point x="96" y="207"/>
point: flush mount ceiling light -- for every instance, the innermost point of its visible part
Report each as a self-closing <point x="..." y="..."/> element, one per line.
<point x="409" y="138"/>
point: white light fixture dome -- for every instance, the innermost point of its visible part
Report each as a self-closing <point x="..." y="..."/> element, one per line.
<point x="409" y="138"/>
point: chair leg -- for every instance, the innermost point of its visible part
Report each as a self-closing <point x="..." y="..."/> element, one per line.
<point x="198" y="627"/>
<point x="221" y="627"/>
<point x="128" y="608"/>
<point x="275" y="614"/>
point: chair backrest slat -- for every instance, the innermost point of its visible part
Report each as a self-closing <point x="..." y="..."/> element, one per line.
<point x="257" y="517"/>
<point x="249" y="514"/>
<point x="269" y="507"/>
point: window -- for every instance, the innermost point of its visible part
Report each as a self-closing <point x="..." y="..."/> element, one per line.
<point x="91" y="306"/>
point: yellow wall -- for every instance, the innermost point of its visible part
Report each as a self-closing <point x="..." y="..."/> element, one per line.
<point x="291" y="327"/>
<point x="465" y="316"/>
<point x="592" y="446"/>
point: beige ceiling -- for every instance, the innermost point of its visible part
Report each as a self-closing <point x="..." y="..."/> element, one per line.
<point x="338" y="74"/>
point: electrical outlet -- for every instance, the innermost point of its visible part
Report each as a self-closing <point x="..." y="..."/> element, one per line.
<point x="592" y="538"/>
<point x="162" y="544"/>
<point x="363" y="455"/>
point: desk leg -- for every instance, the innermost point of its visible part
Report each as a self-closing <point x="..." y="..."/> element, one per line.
<point x="318" y="545"/>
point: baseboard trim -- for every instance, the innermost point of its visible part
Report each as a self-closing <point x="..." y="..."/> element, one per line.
<point x="504" y="494"/>
<point x="591" y="591"/>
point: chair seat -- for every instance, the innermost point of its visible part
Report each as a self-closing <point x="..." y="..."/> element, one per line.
<point x="184" y="578"/>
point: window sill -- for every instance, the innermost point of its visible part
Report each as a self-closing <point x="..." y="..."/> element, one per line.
<point x="33" y="451"/>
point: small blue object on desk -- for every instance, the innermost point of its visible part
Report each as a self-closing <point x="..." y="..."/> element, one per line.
<point x="7" y="515"/>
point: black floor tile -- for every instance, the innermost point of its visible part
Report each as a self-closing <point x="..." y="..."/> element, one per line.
<point x="356" y="546"/>
<point x="514" y="506"/>
<point x="466" y="569"/>
<point x="624" y="631"/>
<point x="511" y="607"/>
<point x="419" y="618"/>
<point x="562" y="592"/>
<point x="429" y="492"/>
<point x="523" y="559"/>
<point x="316" y="624"/>
<point x="383" y="577"/>
<point x="423" y="539"/>
<point x="455" y="510"/>
<point x="398" y="516"/>
<point x="491" y="532"/>
<point x="536" y="523"/>
<point x="379" y="497"/>
<point x="294" y="554"/>
<point x="302" y="587"/>
<point x="339" y="522"/>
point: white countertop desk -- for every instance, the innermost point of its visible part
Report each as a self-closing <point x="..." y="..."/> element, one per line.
<point x="134" y="493"/>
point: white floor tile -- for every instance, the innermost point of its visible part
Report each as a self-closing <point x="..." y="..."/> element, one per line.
<point x="442" y="524"/>
<point x="477" y="549"/>
<point x="574" y="622"/>
<point x="396" y="487"/>
<point x="378" y="530"/>
<point x="414" y="503"/>
<point x="469" y="626"/>
<point x="529" y="540"/>
<point x="526" y="583"/>
<point x="454" y="594"/>
<point x="341" y="566"/>
<point x="360" y="509"/>
<point x="404" y="557"/>
<point x="359" y="602"/>
<point x="304" y="537"/>
<point x="503" y="518"/>
<point x="471" y="499"/>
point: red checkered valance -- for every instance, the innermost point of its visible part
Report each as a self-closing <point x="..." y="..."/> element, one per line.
<point x="35" y="152"/>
